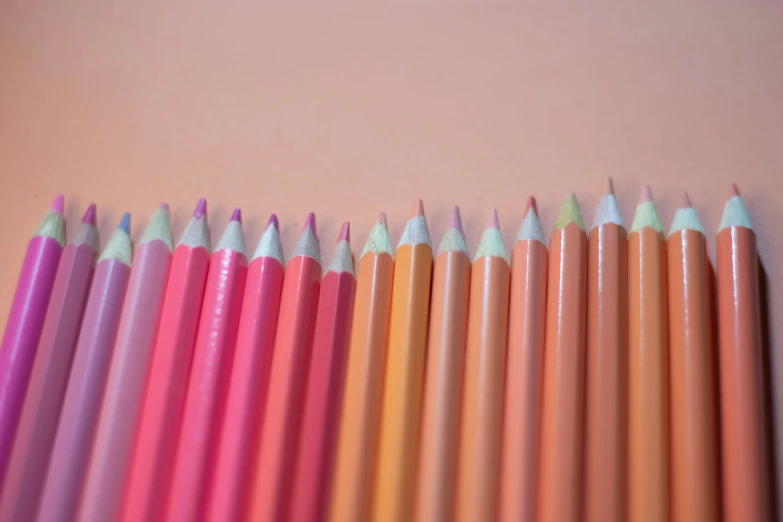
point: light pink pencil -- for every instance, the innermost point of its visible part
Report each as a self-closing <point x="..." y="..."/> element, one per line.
<point x="110" y="459"/>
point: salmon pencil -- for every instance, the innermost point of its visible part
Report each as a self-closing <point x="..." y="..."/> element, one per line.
<point x="360" y="419"/>
<point x="272" y="476"/>
<point x="26" y="321"/>
<point x="648" y="367"/>
<point x="478" y="479"/>
<point x="208" y="383"/>
<point x="87" y="380"/>
<point x="448" y="335"/>
<point x="160" y="417"/>
<point x="695" y="480"/>
<point x="562" y="415"/>
<point x="249" y="381"/>
<point x="35" y="436"/>
<point x="321" y="412"/>
<point x="524" y="371"/>
<point x="745" y="455"/>
<point x="607" y="364"/>
<point x="400" y="413"/>
<point x="114" y="435"/>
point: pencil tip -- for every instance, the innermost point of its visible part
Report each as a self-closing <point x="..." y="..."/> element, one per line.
<point x="570" y="196"/>
<point x="418" y="209"/>
<point x="58" y="204"/>
<point x="164" y="206"/>
<point x="492" y="220"/>
<point x="686" y="201"/>
<point x="237" y="215"/>
<point x="733" y="191"/>
<point x="531" y="203"/>
<point x="456" y="221"/>
<point x="89" y="216"/>
<point x="609" y="185"/>
<point x="125" y="223"/>
<point x="201" y="209"/>
<point x="645" y="196"/>
<point x="345" y="232"/>
<point x="310" y="223"/>
<point x="273" y="221"/>
<point x="382" y="219"/>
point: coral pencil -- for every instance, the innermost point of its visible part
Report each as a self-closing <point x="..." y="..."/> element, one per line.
<point x="321" y="413"/>
<point x="524" y="371"/>
<point x="648" y="367"/>
<point x="208" y="383"/>
<point x="25" y="323"/>
<point x="694" y="457"/>
<point x="35" y="436"/>
<point x="745" y="455"/>
<point x="114" y="436"/>
<point x="358" y="437"/>
<point x="271" y="482"/>
<point x="249" y="379"/>
<point x="478" y="480"/>
<point x="448" y="335"/>
<point x="159" y="421"/>
<point x="87" y="380"/>
<point x="400" y="414"/>
<point x="607" y="365"/>
<point x="562" y="415"/>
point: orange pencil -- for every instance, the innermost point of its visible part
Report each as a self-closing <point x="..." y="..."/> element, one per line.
<point x="478" y="478"/>
<point x="695" y="480"/>
<point x="745" y="455"/>
<point x="648" y="368"/>
<point x="607" y="364"/>
<point x="400" y="414"/>
<point x="562" y="416"/>
<point x="448" y="336"/>
<point x="358" y="432"/>
<point x="524" y="371"/>
<point x="271" y="481"/>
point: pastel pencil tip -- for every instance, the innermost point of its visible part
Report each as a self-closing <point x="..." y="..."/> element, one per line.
<point x="492" y="220"/>
<point x="608" y="185"/>
<point x="418" y="209"/>
<point x="58" y="204"/>
<point x="531" y="203"/>
<point x="89" y="215"/>
<point x="733" y="191"/>
<point x="237" y="215"/>
<point x="310" y="223"/>
<point x="686" y="201"/>
<point x="456" y="221"/>
<point x="345" y="232"/>
<point x="645" y="196"/>
<point x="382" y="219"/>
<point x="201" y="208"/>
<point x="125" y="223"/>
<point x="164" y="206"/>
<point x="273" y="221"/>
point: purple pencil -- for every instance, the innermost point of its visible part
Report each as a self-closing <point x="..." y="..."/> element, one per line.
<point x="76" y="428"/>
<point x="120" y="411"/>
<point x="25" y="322"/>
<point x="35" y="435"/>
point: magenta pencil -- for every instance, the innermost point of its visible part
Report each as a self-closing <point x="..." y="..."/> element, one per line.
<point x="25" y="323"/>
<point x="208" y="383"/>
<point x="110" y="458"/>
<point x="35" y="435"/>
<point x="87" y="380"/>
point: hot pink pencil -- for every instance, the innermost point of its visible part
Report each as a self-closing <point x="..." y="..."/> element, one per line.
<point x="35" y="435"/>
<point x="119" y="415"/>
<point x="159" y="421"/>
<point x="249" y="381"/>
<point x="321" y="415"/>
<point x="25" y="322"/>
<point x="87" y="380"/>
<point x="208" y="383"/>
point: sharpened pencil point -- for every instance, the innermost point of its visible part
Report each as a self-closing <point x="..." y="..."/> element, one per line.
<point x="89" y="216"/>
<point x="58" y="204"/>
<point x="645" y="196"/>
<point x="609" y="185"/>
<point x="237" y="215"/>
<point x="345" y="232"/>
<point x="733" y="191"/>
<point x="382" y="219"/>
<point x="492" y="220"/>
<point x="456" y="221"/>
<point x="418" y="209"/>
<point x="201" y="209"/>
<point x="686" y="201"/>
<point x="310" y="223"/>
<point x="531" y="203"/>
<point x="125" y="223"/>
<point x="273" y="221"/>
<point x="164" y="206"/>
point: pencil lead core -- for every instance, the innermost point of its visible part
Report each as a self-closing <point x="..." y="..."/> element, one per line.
<point x="89" y="216"/>
<point x="201" y="209"/>
<point x="58" y="204"/>
<point x="456" y="221"/>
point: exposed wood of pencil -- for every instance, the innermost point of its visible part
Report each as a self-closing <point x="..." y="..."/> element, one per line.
<point x="746" y="488"/>
<point x="400" y="416"/>
<point x="447" y="339"/>
<point x="695" y="487"/>
<point x="562" y="416"/>
<point x="359" y="425"/>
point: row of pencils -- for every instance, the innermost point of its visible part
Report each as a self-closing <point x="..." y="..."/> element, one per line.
<point x="583" y="382"/>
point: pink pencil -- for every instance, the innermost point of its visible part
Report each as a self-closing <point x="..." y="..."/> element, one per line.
<point x="35" y="435"/>
<point x="25" y="322"/>
<point x="249" y="381"/>
<point x="208" y="383"/>
<point x="161" y="411"/>
<point x="119" y="415"/>
<point x="87" y="380"/>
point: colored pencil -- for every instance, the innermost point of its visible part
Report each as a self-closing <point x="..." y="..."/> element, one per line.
<point x="400" y="413"/>
<point x="271" y="481"/>
<point x="744" y="453"/>
<point x="606" y="426"/>
<point x="87" y="380"/>
<point x="694" y="458"/>
<point x="648" y="367"/>
<point x="321" y="412"/>
<point x="562" y="415"/>
<point x="249" y="379"/>
<point x="208" y="383"/>
<point x="478" y="480"/>
<point x="25" y="323"/>
<point x="360" y="419"/>
<point x="447" y="338"/>
<point x="159" y="421"/>
<point x="116" y="430"/>
<point x="524" y="371"/>
<point x="35" y="435"/>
